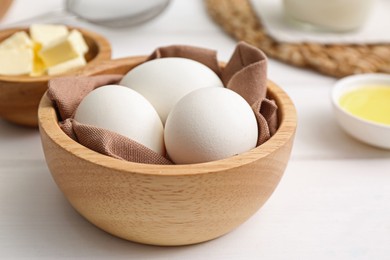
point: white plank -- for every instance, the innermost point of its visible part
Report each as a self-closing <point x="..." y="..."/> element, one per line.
<point x="321" y="209"/>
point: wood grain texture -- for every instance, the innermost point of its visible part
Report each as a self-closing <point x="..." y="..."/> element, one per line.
<point x="238" y="19"/>
<point x="167" y="204"/>
<point x="20" y="95"/>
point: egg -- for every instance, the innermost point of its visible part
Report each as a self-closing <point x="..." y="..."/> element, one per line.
<point x="210" y="124"/>
<point x="124" y="111"/>
<point x="165" y="81"/>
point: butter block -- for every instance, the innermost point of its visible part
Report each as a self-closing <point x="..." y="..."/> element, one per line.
<point x="58" y="52"/>
<point x="17" y="40"/>
<point x="39" y="68"/>
<point x="51" y="50"/>
<point x="78" y="42"/>
<point x="67" y="65"/>
<point x="16" y="61"/>
<point x="45" y="34"/>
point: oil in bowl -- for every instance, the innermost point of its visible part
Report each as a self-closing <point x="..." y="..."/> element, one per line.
<point x="371" y="103"/>
<point x="362" y="107"/>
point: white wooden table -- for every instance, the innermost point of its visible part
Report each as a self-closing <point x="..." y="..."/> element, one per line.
<point x="332" y="203"/>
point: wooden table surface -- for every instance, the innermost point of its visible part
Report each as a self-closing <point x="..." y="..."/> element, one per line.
<point x="332" y="203"/>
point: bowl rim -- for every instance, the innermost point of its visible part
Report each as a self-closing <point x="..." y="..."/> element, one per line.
<point x="355" y="82"/>
<point x="104" y="53"/>
<point x="48" y="123"/>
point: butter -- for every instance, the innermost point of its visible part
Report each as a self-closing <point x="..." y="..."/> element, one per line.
<point x="63" y="49"/>
<point x="39" y="67"/>
<point x="369" y="102"/>
<point x="58" y="52"/>
<point x="77" y="40"/>
<point x="17" y="40"/>
<point x="67" y="65"/>
<point x="16" y="55"/>
<point x="45" y="34"/>
<point x="16" y="61"/>
<point x="51" y="50"/>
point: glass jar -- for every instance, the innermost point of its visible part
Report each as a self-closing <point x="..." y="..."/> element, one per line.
<point x="328" y="15"/>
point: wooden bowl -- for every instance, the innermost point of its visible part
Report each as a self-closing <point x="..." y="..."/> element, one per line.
<point x="166" y="204"/>
<point x="20" y="95"/>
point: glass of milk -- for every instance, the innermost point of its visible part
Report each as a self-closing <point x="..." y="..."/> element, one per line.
<point x="328" y="15"/>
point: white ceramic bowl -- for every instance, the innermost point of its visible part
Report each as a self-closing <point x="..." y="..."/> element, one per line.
<point x="369" y="132"/>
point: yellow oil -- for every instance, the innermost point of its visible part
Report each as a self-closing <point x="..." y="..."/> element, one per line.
<point x="369" y="102"/>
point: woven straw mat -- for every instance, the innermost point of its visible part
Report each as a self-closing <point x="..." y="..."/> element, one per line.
<point x="238" y="19"/>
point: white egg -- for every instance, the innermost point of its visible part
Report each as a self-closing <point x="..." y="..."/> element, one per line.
<point x="165" y="81"/>
<point x="210" y="124"/>
<point x="124" y="111"/>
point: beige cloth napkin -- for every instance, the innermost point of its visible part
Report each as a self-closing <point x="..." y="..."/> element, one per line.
<point x="245" y="73"/>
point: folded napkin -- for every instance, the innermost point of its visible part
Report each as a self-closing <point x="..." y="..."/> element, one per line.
<point x="245" y="73"/>
<point x="375" y="29"/>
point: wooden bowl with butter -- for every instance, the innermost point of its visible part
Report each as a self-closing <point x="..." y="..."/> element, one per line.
<point x="166" y="204"/>
<point x="20" y="94"/>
